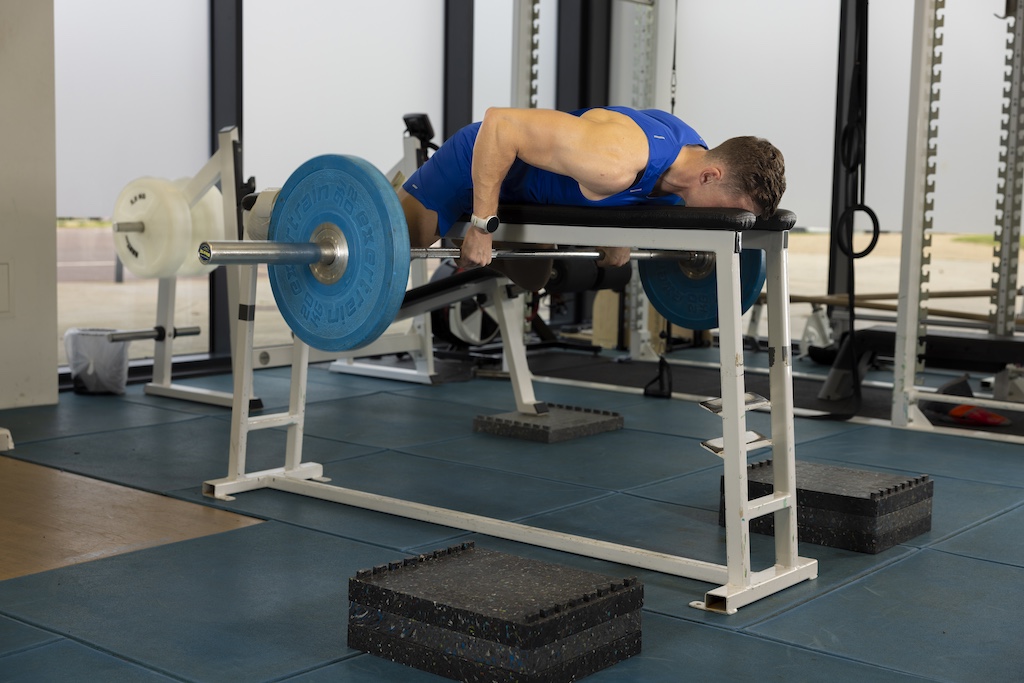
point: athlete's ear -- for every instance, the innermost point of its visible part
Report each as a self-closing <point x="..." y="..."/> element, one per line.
<point x="710" y="174"/>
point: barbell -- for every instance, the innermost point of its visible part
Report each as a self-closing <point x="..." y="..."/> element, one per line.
<point x="338" y="259"/>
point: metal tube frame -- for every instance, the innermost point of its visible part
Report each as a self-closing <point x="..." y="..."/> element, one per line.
<point x="915" y="257"/>
<point x="741" y="584"/>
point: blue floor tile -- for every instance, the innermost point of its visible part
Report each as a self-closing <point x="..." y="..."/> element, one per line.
<point x="76" y="414"/>
<point x="248" y="605"/>
<point x="170" y="457"/>
<point x="676" y="650"/>
<point x="933" y="614"/>
<point x="332" y="518"/>
<point x="908" y="450"/>
<point x="694" y="533"/>
<point x="611" y="460"/>
<point x="500" y="495"/>
<point x="997" y="540"/>
<point x="16" y="636"/>
<point x="364" y="668"/>
<point x="495" y="395"/>
<point x="65" y="661"/>
<point x="388" y="420"/>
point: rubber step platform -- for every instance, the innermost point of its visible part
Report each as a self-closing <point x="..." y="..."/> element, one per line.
<point x="556" y="423"/>
<point x="473" y="614"/>
<point x="840" y="507"/>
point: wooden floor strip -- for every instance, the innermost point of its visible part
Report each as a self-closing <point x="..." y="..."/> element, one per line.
<point x="50" y="519"/>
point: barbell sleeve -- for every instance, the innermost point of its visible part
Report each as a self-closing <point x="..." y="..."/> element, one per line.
<point x="129" y="226"/>
<point x="229" y="252"/>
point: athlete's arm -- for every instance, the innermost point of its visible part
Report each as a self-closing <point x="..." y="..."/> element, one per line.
<point x="602" y="150"/>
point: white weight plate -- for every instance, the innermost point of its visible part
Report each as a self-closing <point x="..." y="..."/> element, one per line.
<point x="207" y="225"/>
<point x="161" y="248"/>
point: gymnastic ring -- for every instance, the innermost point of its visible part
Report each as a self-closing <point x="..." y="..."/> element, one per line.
<point x="847" y="217"/>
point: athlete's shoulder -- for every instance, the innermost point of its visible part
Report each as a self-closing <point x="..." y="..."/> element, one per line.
<point x="680" y="130"/>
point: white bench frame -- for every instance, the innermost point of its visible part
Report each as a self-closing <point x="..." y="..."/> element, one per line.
<point x="740" y="583"/>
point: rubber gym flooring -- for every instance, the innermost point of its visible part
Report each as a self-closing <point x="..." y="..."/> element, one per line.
<point x="260" y="594"/>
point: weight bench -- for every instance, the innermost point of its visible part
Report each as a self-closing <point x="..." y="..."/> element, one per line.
<point x="722" y="232"/>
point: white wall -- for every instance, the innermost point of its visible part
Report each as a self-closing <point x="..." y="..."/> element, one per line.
<point x="336" y="76"/>
<point x="770" y="69"/>
<point x="132" y="80"/>
<point x="28" y="240"/>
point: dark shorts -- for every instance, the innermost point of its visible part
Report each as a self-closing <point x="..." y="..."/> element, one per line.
<point x="445" y="183"/>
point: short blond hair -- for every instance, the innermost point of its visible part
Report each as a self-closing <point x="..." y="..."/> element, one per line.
<point x="753" y="167"/>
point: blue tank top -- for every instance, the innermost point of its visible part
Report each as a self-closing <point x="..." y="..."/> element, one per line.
<point x="666" y="135"/>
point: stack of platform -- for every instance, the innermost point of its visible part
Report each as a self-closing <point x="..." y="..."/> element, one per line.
<point x="472" y="614"/>
<point x="858" y="510"/>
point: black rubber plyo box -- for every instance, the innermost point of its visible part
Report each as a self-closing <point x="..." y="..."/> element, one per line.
<point x="840" y="507"/>
<point x="473" y="614"/>
<point x="560" y="423"/>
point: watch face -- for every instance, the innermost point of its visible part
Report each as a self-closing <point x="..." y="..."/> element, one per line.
<point x="492" y="224"/>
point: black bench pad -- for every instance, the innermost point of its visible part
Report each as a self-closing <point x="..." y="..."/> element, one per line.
<point x="671" y="217"/>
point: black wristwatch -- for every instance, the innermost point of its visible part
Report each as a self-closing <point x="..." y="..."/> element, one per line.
<point x="488" y="225"/>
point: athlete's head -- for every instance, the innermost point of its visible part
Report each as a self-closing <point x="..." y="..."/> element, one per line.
<point x="753" y="169"/>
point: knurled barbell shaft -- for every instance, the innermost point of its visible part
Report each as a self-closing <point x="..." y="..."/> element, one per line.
<point x="592" y="254"/>
<point x="303" y="253"/>
<point x="152" y="333"/>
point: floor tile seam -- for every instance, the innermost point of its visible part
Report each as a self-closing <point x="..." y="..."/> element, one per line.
<point x="308" y="670"/>
<point x="488" y="468"/>
<point x="51" y="439"/>
<point x="841" y="584"/>
<point x="139" y="401"/>
<point x="193" y="417"/>
<point x="54" y="637"/>
<point x="353" y="539"/>
<point x="88" y="475"/>
<point x="742" y="631"/>
<point x="881" y="468"/>
<point x="835" y="655"/>
<point x="522" y="519"/>
<point x="78" y="640"/>
<point x="970" y="527"/>
<point x="409" y="392"/>
<point x="632" y="490"/>
<point x="975" y="558"/>
<point x="214" y="503"/>
<point x="668" y="502"/>
<point x="491" y="468"/>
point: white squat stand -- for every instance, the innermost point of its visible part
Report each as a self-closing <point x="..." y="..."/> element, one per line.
<point x="220" y="168"/>
<point x="740" y="583"/>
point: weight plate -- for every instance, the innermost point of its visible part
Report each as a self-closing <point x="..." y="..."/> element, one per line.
<point x="352" y="195"/>
<point x="693" y="303"/>
<point x="163" y="245"/>
<point x="466" y="323"/>
<point x="207" y="225"/>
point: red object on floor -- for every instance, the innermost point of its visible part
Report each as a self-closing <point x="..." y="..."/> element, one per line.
<point x="977" y="417"/>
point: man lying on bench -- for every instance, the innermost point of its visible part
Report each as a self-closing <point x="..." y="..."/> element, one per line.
<point x="612" y="156"/>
